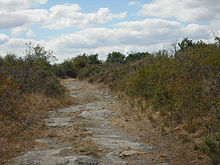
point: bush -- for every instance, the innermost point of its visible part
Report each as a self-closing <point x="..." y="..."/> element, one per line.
<point x="9" y="94"/>
<point x="30" y="74"/>
<point x="183" y="87"/>
<point x="27" y="89"/>
<point x="136" y="56"/>
<point x="115" y="57"/>
<point x="212" y="148"/>
<point x="72" y="67"/>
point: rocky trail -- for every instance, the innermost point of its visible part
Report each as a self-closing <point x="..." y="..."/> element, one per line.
<point x="82" y="134"/>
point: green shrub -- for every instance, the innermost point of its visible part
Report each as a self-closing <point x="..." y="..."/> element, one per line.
<point x="72" y="67"/>
<point x="212" y="148"/>
<point x="32" y="72"/>
<point x="136" y="56"/>
<point x="115" y="57"/>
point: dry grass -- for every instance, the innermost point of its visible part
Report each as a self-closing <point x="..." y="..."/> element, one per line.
<point x="179" y="145"/>
<point x="87" y="147"/>
<point x="19" y="130"/>
<point x="52" y="135"/>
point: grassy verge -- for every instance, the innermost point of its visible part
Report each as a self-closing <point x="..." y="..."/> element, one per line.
<point x="18" y="135"/>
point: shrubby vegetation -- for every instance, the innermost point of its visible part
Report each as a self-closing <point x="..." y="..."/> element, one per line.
<point x="32" y="72"/>
<point x="184" y="86"/>
<point x="72" y="67"/>
<point x="115" y="57"/>
<point x="27" y="88"/>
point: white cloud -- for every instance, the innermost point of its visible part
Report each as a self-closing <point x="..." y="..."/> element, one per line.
<point x="13" y="45"/>
<point x="21" y="18"/>
<point x="124" y="37"/>
<point x="64" y="10"/>
<point x="147" y="35"/>
<point x="12" y="19"/>
<point x="197" y="31"/>
<point x="68" y="15"/>
<point x="63" y="50"/>
<point x="3" y="38"/>
<point x="57" y="17"/>
<point x="214" y="25"/>
<point x="12" y="5"/>
<point x="131" y="3"/>
<point x="30" y="33"/>
<point x="183" y="10"/>
<point x="36" y="15"/>
<point x="17" y="45"/>
<point x="18" y="30"/>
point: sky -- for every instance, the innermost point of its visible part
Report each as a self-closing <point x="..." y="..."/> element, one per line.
<point x="73" y="27"/>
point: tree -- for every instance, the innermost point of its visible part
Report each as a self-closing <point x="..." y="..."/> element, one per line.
<point x="185" y="44"/>
<point x="93" y="59"/>
<point x="115" y="57"/>
<point x="136" y="56"/>
<point x="37" y="55"/>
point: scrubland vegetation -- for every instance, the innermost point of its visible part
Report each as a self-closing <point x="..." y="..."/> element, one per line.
<point x="183" y="86"/>
<point x="27" y="88"/>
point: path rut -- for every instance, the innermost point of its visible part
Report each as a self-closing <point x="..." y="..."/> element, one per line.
<point x="82" y="134"/>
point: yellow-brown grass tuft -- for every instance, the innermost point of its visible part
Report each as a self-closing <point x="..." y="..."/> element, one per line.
<point x="18" y="130"/>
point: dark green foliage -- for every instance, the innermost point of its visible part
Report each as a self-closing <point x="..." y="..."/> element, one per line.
<point x="66" y="69"/>
<point x="93" y="59"/>
<point x="185" y="44"/>
<point x="72" y="67"/>
<point x="136" y="56"/>
<point x="115" y="57"/>
<point x="217" y="39"/>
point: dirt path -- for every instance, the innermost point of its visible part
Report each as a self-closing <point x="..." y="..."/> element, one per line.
<point x="82" y="134"/>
